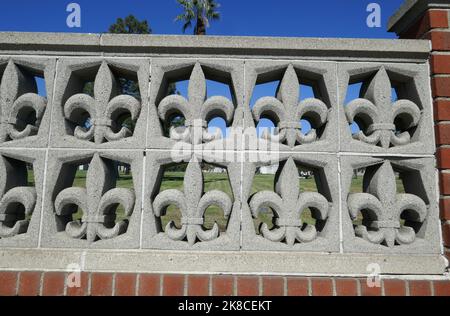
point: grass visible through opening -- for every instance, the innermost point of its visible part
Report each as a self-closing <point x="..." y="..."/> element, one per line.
<point x="218" y="181"/>
<point x="124" y="181"/>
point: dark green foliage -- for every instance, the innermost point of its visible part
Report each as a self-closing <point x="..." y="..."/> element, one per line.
<point x="130" y="25"/>
<point x="200" y="12"/>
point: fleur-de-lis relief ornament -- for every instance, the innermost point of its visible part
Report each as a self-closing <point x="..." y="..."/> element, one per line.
<point x="378" y="118"/>
<point x="19" y="103"/>
<point x="197" y="111"/>
<point x="105" y="109"/>
<point x="98" y="201"/>
<point x="286" y="112"/>
<point x="288" y="204"/>
<point x="382" y="207"/>
<point x="192" y="204"/>
<point x="18" y="200"/>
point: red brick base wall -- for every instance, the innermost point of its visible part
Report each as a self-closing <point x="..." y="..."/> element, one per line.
<point x="118" y="284"/>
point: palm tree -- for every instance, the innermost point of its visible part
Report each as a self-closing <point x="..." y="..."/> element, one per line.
<point x="200" y="11"/>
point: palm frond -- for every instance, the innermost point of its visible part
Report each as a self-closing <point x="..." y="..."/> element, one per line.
<point x="187" y="25"/>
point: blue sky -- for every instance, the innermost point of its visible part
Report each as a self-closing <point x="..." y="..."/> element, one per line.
<point x="298" y="18"/>
<point x="321" y="18"/>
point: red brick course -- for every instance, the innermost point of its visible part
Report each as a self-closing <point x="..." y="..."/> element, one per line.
<point x="101" y="284"/>
<point x="29" y="283"/>
<point x="54" y="284"/>
<point x="442" y="110"/>
<point x="222" y="285"/>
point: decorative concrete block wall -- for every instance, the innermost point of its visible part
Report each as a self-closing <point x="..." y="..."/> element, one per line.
<point x="80" y="124"/>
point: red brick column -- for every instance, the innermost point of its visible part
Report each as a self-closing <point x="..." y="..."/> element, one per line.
<point x="434" y="24"/>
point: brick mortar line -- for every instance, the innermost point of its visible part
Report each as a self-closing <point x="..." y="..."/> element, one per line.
<point x="431" y="284"/>
<point x="41" y="284"/>
<point x="435" y="30"/>
<point x="113" y="284"/>
<point x="260" y="286"/>
<point x="310" y="293"/>
<point x="136" y="286"/>
<point x="263" y="287"/>
<point x="358" y="287"/>
<point x="333" y="286"/>
<point x="89" y="285"/>
<point x="66" y="276"/>
<point x="437" y="99"/>
<point x="407" y="289"/>
<point x="434" y="50"/>
<point x="210" y="286"/>
<point x="18" y="276"/>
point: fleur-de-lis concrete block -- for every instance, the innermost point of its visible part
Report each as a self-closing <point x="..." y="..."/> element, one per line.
<point x="192" y="202"/>
<point x="388" y="220"/>
<point x="84" y="121"/>
<point x="385" y="207"/>
<point x="386" y="125"/>
<point x="288" y="202"/>
<point x="98" y="201"/>
<point x="288" y="205"/>
<point x="21" y="181"/>
<point x="198" y="108"/>
<point x="287" y="107"/>
<point x="286" y="111"/>
<point x="24" y="114"/>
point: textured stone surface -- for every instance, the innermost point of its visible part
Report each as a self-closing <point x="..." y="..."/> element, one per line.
<point x="98" y="201"/>
<point x="392" y="221"/>
<point x="287" y="107"/>
<point x="199" y="108"/>
<point x="192" y="202"/>
<point x="246" y="262"/>
<point x="21" y="200"/>
<point x="24" y="114"/>
<point x="288" y="201"/>
<point x="224" y="46"/>
<point x="386" y="125"/>
<point x="105" y="108"/>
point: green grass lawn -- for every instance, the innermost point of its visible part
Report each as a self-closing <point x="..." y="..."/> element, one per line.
<point x="217" y="181"/>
